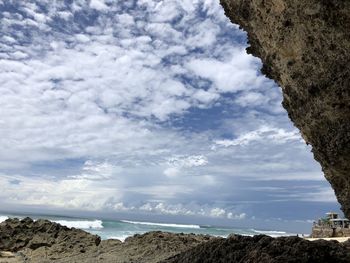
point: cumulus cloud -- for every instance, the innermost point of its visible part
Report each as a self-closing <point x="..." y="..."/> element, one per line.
<point x="106" y="103"/>
<point x="236" y="216"/>
<point x="98" y="5"/>
<point x="93" y="170"/>
<point x="217" y="212"/>
<point x="237" y="73"/>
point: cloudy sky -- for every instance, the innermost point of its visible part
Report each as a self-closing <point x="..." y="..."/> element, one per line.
<point x="145" y="107"/>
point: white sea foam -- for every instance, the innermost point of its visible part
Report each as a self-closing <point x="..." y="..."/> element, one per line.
<point x="273" y="233"/>
<point x="161" y="224"/>
<point x="82" y="224"/>
<point x="121" y="237"/>
<point x="3" y="218"/>
<point x="269" y="232"/>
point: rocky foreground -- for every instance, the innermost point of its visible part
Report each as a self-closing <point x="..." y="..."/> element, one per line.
<point x="43" y="241"/>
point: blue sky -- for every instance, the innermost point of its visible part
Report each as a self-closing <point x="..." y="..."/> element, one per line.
<point x="146" y="108"/>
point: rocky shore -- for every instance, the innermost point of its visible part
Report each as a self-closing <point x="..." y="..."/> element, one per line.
<point x="43" y="241"/>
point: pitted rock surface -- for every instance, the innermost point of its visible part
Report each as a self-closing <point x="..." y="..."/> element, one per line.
<point x="305" y="47"/>
<point x="43" y="241"/>
<point x="265" y="249"/>
<point x="51" y="239"/>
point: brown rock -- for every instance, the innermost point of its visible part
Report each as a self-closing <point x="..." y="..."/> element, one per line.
<point x="42" y="241"/>
<point x="264" y="249"/>
<point x="305" y="48"/>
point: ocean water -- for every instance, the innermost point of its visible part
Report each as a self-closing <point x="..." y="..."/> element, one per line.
<point x="121" y="229"/>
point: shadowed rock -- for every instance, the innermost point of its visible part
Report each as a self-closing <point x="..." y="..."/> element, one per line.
<point x="264" y="249"/>
<point x="305" y="48"/>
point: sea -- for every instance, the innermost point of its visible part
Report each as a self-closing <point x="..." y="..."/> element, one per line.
<point x="121" y="229"/>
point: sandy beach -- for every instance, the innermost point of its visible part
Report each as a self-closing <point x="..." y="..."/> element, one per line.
<point x="339" y="239"/>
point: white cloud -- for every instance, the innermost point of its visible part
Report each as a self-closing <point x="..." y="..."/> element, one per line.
<point x="264" y="133"/>
<point x="97" y="171"/>
<point x="67" y="193"/>
<point x="252" y="98"/>
<point x="98" y="5"/>
<point x="217" y="212"/>
<point x="323" y="194"/>
<point x="172" y="172"/>
<point x="146" y="207"/>
<point x="235" y="74"/>
<point x="188" y="161"/>
<point x="241" y="216"/>
<point x="179" y="165"/>
<point x="120" y="207"/>
<point x="65" y="15"/>
<point x="82" y="38"/>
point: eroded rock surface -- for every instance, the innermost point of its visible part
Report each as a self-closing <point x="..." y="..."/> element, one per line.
<point x="305" y="48"/>
<point x="264" y="249"/>
<point x="43" y="241"/>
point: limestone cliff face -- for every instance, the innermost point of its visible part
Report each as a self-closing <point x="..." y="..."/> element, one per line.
<point x="305" y="48"/>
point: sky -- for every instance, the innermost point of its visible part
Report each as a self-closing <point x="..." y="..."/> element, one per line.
<point x="149" y="108"/>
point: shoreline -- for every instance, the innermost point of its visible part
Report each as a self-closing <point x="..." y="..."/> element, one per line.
<point x="43" y="241"/>
<point x="339" y="239"/>
<point x="121" y="229"/>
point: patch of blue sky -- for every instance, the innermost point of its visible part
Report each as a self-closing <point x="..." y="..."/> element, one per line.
<point x="85" y="17"/>
<point x="12" y="7"/>
<point x="190" y="80"/>
<point x="58" y="167"/>
<point x="207" y="119"/>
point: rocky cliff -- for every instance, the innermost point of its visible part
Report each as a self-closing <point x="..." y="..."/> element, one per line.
<point x="305" y="48"/>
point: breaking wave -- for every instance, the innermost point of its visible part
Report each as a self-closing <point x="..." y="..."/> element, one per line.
<point x="3" y="218"/>
<point x="82" y="224"/>
<point x="272" y="233"/>
<point x="161" y="224"/>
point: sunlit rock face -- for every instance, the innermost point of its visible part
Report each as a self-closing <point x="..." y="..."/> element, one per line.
<point x="305" y="48"/>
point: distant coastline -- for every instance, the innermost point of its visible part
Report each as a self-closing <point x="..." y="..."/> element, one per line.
<point x="122" y="229"/>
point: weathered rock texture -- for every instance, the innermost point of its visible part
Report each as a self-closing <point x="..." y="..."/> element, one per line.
<point x="44" y="238"/>
<point x="42" y="241"/>
<point x="264" y="249"/>
<point x="305" y="48"/>
<point x="45" y="242"/>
